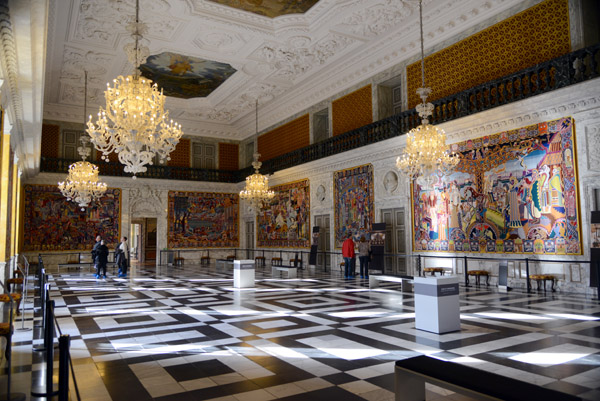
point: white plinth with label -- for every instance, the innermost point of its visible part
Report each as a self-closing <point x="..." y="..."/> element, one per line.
<point x="437" y="307"/>
<point x="243" y="273"/>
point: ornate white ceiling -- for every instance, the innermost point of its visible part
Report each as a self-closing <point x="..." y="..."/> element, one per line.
<point x="289" y="63"/>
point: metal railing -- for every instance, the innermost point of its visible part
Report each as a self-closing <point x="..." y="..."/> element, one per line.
<point x="569" y="69"/>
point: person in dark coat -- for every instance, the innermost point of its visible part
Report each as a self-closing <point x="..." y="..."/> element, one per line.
<point x="101" y="260"/>
<point x="95" y="252"/>
<point x="122" y="257"/>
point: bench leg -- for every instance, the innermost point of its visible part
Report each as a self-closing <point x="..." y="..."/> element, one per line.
<point x="409" y="387"/>
<point x="553" y="289"/>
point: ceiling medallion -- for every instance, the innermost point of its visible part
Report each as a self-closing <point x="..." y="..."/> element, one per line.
<point x="135" y="124"/>
<point x="426" y="157"/>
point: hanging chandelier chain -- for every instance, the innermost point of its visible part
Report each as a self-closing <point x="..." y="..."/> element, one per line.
<point x="422" y="47"/>
<point x="82" y="184"/>
<point x="257" y="185"/>
<point x="426" y="157"/>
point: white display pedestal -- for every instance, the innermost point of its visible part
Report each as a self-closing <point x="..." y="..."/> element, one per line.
<point x="437" y="307"/>
<point x="243" y="273"/>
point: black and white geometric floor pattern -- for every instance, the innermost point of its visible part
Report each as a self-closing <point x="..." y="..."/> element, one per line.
<point x="187" y="334"/>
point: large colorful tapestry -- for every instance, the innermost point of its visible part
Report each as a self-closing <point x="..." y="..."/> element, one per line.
<point x="512" y="192"/>
<point x="203" y="220"/>
<point x="285" y="221"/>
<point x="51" y="223"/>
<point x="353" y="204"/>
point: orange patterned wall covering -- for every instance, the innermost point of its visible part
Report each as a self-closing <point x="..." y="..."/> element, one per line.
<point x="180" y="157"/>
<point x="291" y="136"/>
<point x="352" y="111"/>
<point x="229" y="156"/>
<point x="50" y="137"/>
<point x="535" y="35"/>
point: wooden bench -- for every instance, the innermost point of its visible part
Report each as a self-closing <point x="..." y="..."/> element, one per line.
<point x="292" y="271"/>
<point x="433" y="270"/>
<point x="406" y="282"/>
<point x="296" y="262"/>
<point x="205" y="260"/>
<point x="276" y="261"/>
<point x="542" y="278"/>
<point x="412" y="373"/>
<point x="478" y="274"/>
<point x="230" y="257"/>
<point x="178" y="261"/>
<point x="259" y="261"/>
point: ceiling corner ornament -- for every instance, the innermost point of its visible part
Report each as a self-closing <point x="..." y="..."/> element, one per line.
<point x="257" y="185"/>
<point x="82" y="184"/>
<point x="135" y="124"/>
<point x="426" y="157"/>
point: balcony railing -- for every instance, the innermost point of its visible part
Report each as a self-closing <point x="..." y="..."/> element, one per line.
<point x="569" y="69"/>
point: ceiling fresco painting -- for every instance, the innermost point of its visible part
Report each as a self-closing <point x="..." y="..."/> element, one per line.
<point x="270" y="8"/>
<point x="184" y="76"/>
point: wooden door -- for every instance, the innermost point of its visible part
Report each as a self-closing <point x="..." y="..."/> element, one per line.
<point x="324" y="259"/>
<point x="395" y="241"/>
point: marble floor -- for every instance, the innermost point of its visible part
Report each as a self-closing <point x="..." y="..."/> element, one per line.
<point x="186" y="334"/>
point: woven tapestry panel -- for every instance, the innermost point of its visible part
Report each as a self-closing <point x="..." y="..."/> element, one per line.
<point x="353" y="203"/>
<point x="203" y="220"/>
<point x="285" y="221"/>
<point x="51" y="223"/>
<point x="512" y="192"/>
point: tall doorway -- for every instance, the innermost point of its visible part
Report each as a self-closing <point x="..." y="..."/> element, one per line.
<point x="395" y="241"/>
<point x="324" y="258"/>
<point x="249" y="240"/>
<point x="150" y="239"/>
<point x="135" y="241"/>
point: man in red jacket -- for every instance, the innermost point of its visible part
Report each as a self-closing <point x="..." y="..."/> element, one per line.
<point x="348" y="254"/>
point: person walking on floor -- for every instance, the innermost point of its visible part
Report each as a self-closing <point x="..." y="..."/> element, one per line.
<point x="95" y="253"/>
<point x="348" y="254"/>
<point x="101" y="260"/>
<point x="364" y="247"/>
<point x="122" y="257"/>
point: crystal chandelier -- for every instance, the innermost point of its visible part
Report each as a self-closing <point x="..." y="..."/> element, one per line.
<point x="82" y="184"/>
<point x="257" y="185"/>
<point x="135" y="124"/>
<point x="426" y="157"/>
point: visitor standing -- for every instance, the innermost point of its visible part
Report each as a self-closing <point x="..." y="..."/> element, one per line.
<point x="102" y="260"/>
<point x="348" y="254"/>
<point x="122" y="257"/>
<point x="95" y="253"/>
<point x="364" y="247"/>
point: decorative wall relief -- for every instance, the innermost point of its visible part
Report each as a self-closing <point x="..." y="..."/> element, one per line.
<point x="512" y="192"/>
<point x="593" y="147"/>
<point x="203" y="220"/>
<point x="353" y="202"/>
<point x="285" y="222"/>
<point x="51" y="223"/>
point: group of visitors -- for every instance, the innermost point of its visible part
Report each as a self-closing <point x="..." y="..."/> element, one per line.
<point x="100" y="257"/>
<point x="364" y="255"/>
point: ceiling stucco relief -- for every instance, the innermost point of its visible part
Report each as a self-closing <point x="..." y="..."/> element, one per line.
<point x="291" y="62"/>
<point x="377" y="19"/>
<point x="104" y="21"/>
<point x="221" y="42"/>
